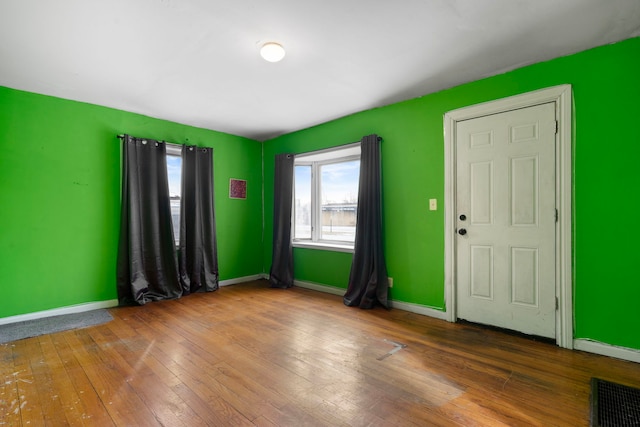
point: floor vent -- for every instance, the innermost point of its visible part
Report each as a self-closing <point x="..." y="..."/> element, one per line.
<point x="614" y="405"/>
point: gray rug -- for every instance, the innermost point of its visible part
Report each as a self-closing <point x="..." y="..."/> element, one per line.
<point x="48" y="325"/>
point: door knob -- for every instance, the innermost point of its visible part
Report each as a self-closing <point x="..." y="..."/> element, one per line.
<point x="462" y="231"/>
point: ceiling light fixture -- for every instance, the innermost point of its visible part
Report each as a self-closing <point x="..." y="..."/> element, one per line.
<point x="272" y="51"/>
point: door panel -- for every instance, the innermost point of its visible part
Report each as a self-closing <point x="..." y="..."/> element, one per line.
<point x="481" y="183"/>
<point x="482" y="272"/>
<point x="524" y="191"/>
<point x="524" y="276"/>
<point x="505" y="191"/>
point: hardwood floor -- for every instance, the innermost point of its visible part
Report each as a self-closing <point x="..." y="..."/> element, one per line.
<point x="250" y="355"/>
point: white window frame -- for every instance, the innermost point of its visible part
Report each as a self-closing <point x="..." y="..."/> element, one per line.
<point x="175" y="150"/>
<point x="316" y="160"/>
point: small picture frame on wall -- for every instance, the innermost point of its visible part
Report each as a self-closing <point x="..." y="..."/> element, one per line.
<point x="237" y="188"/>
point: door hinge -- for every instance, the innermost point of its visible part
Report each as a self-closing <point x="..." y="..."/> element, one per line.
<point x="557" y="126"/>
<point x="557" y="303"/>
<point x="556" y="215"/>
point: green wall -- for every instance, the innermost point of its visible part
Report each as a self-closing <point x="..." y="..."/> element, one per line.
<point x="60" y="173"/>
<point x="60" y="199"/>
<point x="606" y="88"/>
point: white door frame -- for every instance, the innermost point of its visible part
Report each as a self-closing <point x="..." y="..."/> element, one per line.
<point x="561" y="96"/>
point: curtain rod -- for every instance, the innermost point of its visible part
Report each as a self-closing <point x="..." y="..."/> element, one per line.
<point x="121" y="136"/>
<point x="357" y="142"/>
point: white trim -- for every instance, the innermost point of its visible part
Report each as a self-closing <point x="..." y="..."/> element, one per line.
<point x="79" y="308"/>
<point x="320" y="288"/>
<point x="237" y="280"/>
<point x="564" y="200"/>
<point x="400" y="305"/>
<point x="329" y="154"/>
<point x="322" y="246"/>
<point x="561" y="96"/>
<point x="597" y="347"/>
<point x="419" y="309"/>
<point x="173" y="149"/>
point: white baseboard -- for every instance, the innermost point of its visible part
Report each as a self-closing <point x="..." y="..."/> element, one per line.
<point x="406" y="306"/>
<point x="597" y="347"/>
<point x="320" y="288"/>
<point x="237" y="280"/>
<point x="79" y="308"/>
<point x="419" y="309"/>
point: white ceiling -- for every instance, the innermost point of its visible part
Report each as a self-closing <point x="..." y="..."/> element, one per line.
<point x="196" y="61"/>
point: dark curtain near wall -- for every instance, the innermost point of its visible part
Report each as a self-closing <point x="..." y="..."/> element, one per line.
<point x="368" y="281"/>
<point x="147" y="266"/>
<point x="198" y="254"/>
<point x="281" y="273"/>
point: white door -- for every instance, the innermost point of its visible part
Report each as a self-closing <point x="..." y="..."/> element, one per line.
<point x="506" y="215"/>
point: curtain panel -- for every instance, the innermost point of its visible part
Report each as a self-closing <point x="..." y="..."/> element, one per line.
<point x="198" y="255"/>
<point x="281" y="273"/>
<point x="368" y="281"/>
<point x="147" y="268"/>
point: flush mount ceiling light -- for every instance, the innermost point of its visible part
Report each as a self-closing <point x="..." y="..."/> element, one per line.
<point x="272" y="51"/>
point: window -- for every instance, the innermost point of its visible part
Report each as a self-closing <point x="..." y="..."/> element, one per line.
<point x="326" y="197"/>
<point x="174" y="174"/>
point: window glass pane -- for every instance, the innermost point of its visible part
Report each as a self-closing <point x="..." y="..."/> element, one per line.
<point x="339" y="200"/>
<point x="302" y="203"/>
<point x="174" y="173"/>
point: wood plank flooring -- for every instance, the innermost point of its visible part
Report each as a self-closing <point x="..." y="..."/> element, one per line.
<point x="249" y="355"/>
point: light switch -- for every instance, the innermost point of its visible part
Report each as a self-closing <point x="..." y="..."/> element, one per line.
<point x="433" y="204"/>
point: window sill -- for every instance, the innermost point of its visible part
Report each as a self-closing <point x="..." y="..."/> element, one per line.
<point x="324" y="246"/>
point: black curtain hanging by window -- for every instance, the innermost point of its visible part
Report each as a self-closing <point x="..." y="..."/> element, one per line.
<point x="198" y="254"/>
<point x="147" y="266"/>
<point x="368" y="281"/>
<point x="281" y="273"/>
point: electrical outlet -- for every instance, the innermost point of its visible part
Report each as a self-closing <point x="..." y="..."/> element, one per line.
<point x="391" y="282"/>
<point x="433" y="204"/>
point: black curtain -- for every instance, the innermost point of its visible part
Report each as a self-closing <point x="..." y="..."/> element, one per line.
<point x="368" y="281"/>
<point x="147" y="267"/>
<point x="198" y="252"/>
<point x="281" y="274"/>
